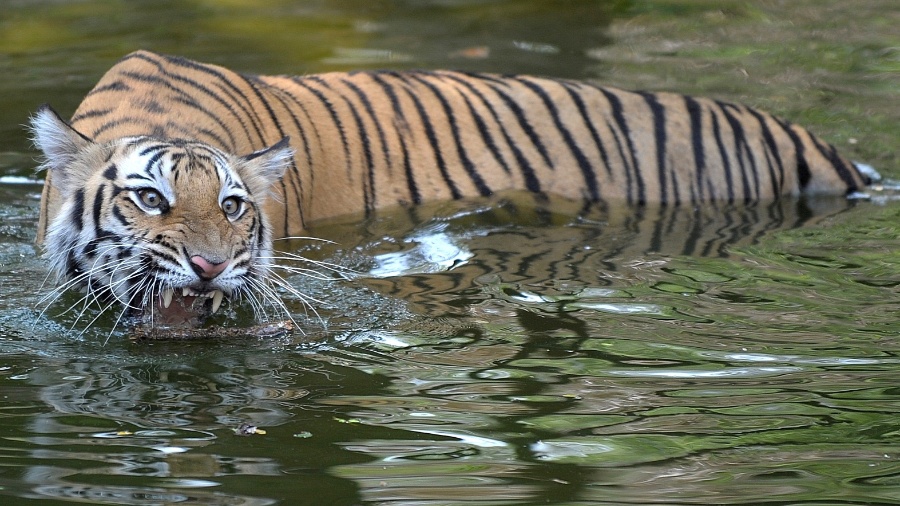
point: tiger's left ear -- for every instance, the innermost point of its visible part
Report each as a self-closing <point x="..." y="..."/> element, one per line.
<point x="264" y="168"/>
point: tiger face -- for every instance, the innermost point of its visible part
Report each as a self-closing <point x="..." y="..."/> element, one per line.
<point x="145" y="221"/>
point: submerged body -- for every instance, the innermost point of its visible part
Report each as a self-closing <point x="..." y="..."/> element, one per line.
<point x="182" y="170"/>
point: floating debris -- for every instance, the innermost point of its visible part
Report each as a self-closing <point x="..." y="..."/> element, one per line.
<point x="245" y="429"/>
<point x="267" y="330"/>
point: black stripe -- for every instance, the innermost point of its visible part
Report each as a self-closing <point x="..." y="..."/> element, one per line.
<point x="92" y="113"/>
<point x="587" y="170"/>
<point x="111" y="172"/>
<point x="138" y="177"/>
<point x="695" y="113"/>
<point x="369" y="179"/>
<point x="98" y="205"/>
<point x="483" y="130"/>
<point x="432" y="140"/>
<point x="574" y="90"/>
<point x="620" y="120"/>
<point x="169" y="254"/>
<point x="803" y="173"/>
<point x="180" y="96"/>
<point x="367" y="105"/>
<point x="726" y="163"/>
<point x="363" y="136"/>
<point x="385" y="152"/>
<point x="415" y="197"/>
<point x="117" y="214"/>
<point x="77" y="216"/>
<point x="335" y="117"/>
<point x="532" y="183"/>
<point x="741" y="146"/>
<point x="522" y="120"/>
<point x="230" y="144"/>
<point x="628" y="163"/>
<point x="298" y="105"/>
<point x="256" y="225"/>
<point x="254" y="84"/>
<point x="467" y="164"/>
<point x="296" y="182"/>
<point x="113" y="86"/>
<point x="229" y="106"/>
<point x="154" y="163"/>
<point x="158" y="147"/>
<point x="658" y="113"/>
<point x="776" y="170"/>
<point x="837" y="163"/>
<point x="400" y="123"/>
<point x="72" y="269"/>
<point x="225" y="84"/>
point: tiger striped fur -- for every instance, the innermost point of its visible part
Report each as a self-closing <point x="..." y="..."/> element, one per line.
<point x="366" y="140"/>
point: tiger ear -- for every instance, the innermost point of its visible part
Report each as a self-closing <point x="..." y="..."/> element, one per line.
<point x="265" y="167"/>
<point x="60" y="144"/>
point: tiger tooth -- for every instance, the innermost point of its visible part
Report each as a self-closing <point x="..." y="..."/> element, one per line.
<point x="185" y="292"/>
<point x="167" y="296"/>
<point x="217" y="300"/>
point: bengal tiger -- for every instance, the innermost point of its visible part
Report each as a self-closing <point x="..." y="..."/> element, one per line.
<point x="173" y="177"/>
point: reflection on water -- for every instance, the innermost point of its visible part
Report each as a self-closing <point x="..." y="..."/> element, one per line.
<point x="513" y="353"/>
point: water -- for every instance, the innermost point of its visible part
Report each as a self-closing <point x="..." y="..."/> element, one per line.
<point x="487" y="352"/>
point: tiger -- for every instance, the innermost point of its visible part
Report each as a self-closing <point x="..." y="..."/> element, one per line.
<point x="173" y="177"/>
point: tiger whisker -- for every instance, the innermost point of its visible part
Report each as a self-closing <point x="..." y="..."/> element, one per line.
<point x="271" y="298"/>
<point x="92" y="296"/>
<point x="87" y="274"/>
<point x="268" y="291"/>
<point x="137" y="290"/>
<point x="105" y="308"/>
<point x="307" y="300"/>
<point x="304" y="238"/>
<point x="243" y="293"/>
<point x="277" y="280"/>
<point x="288" y="256"/>
<point x="265" y="289"/>
<point x="89" y="297"/>
<point x="150" y="294"/>
<point x="302" y="271"/>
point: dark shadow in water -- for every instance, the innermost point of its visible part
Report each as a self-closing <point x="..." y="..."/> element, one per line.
<point x="425" y="253"/>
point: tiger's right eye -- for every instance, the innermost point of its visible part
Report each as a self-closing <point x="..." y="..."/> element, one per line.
<point x="150" y="198"/>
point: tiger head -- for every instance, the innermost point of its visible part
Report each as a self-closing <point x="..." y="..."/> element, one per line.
<point x="143" y="220"/>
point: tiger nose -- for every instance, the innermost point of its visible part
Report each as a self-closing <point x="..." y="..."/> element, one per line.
<point x="206" y="269"/>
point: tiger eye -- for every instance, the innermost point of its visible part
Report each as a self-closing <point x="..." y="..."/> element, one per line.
<point x="231" y="206"/>
<point x="150" y="198"/>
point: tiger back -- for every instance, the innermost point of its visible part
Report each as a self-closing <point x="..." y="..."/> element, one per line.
<point x="366" y="140"/>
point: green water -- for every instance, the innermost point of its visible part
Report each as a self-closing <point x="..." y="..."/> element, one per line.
<point x="487" y="352"/>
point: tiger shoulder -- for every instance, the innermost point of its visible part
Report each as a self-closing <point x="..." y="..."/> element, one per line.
<point x="369" y="139"/>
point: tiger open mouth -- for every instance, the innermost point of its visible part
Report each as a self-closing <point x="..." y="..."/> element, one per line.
<point x="191" y="295"/>
<point x="185" y="306"/>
